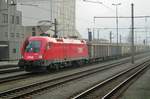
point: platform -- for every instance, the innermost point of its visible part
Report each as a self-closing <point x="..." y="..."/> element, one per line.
<point x="140" y="89"/>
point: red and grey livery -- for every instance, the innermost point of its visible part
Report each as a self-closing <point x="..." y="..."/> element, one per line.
<point x="44" y="53"/>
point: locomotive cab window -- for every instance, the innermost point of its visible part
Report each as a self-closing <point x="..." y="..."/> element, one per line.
<point x="33" y="46"/>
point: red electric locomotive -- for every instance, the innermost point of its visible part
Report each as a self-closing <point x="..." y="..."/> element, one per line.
<point x="44" y="53"/>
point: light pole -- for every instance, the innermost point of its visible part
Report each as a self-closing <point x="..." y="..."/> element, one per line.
<point x="116" y="18"/>
<point x="132" y="22"/>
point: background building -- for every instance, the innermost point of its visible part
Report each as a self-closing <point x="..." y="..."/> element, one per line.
<point x="62" y="10"/>
<point x="10" y="30"/>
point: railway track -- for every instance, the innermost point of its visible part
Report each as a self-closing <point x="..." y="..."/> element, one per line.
<point x="8" y="66"/>
<point x="34" y="87"/>
<point x="10" y="70"/>
<point x="24" y="75"/>
<point x="47" y="84"/>
<point x="110" y="88"/>
<point x="19" y="76"/>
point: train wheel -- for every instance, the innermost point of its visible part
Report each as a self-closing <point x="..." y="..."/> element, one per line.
<point x="49" y="68"/>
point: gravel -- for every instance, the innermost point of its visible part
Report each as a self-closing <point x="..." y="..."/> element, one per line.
<point x="140" y="89"/>
<point x="71" y="88"/>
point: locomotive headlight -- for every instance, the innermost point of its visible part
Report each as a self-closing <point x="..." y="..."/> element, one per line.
<point x="40" y="56"/>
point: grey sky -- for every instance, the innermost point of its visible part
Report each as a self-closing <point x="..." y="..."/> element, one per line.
<point x="85" y="12"/>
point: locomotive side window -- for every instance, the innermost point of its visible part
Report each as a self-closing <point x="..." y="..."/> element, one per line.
<point x="33" y="46"/>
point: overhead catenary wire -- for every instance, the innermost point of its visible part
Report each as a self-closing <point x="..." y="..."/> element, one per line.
<point x="98" y="2"/>
<point x="123" y="28"/>
<point x="121" y="17"/>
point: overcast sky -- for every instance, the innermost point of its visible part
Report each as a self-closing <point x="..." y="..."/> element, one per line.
<point x="85" y="11"/>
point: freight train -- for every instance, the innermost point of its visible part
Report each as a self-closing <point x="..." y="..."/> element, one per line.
<point x="42" y="53"/>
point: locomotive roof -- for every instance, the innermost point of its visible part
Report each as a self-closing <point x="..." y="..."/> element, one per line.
<point x="57" y="40"/>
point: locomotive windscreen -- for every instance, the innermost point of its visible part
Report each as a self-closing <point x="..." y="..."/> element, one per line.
<point x="33" y="46"/>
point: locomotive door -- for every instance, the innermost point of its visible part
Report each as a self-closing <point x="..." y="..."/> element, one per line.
<point x="65" y="51"/>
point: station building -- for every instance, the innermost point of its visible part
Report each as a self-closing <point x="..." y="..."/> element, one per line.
<point x="10" y="30"/>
